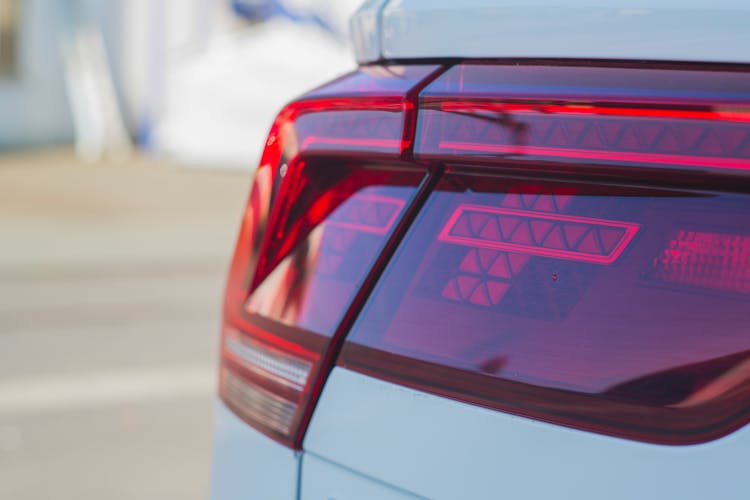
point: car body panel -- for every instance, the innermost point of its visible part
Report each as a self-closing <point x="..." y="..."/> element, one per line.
<point x="247" y="464"/>
<point x="324" y="480"/>
<point x="440" y="448"/>
<point x="671" y="30"/>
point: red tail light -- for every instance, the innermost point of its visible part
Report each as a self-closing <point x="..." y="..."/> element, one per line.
<point x="329" y="193"/>
<point x="583" y="258"/>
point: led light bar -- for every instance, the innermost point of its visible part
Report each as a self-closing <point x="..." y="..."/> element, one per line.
<point x="566" y="237"/>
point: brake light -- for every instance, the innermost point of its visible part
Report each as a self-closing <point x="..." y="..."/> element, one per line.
<point x="330" y="191"/>
<point x="597" y="298"/>
<point x="705" y="260"/>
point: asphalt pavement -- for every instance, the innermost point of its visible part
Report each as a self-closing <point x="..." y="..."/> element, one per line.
<point x="111" y="281"/>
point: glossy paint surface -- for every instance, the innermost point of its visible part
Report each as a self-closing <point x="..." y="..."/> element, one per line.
<point x="439" y="448"/>
<point x="247" y="464"/>
<point x="667" y="30"/>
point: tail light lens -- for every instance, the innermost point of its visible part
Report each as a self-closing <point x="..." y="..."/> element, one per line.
<point x="600" y="300"/>
<point x="331" y="188"/>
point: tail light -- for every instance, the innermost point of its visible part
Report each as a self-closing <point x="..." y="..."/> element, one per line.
<point x="584" y="257"/>
<point x="331" y="189"/>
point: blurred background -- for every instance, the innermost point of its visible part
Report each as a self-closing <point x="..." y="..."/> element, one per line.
<point x="128" y="133"/>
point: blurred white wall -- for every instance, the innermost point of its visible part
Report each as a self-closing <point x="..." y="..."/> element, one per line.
<point x="193" y="80"/>
<point x="205" y="86"/>
<point x="34" y="107"/>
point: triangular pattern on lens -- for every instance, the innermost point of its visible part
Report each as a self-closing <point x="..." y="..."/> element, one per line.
<point x="529" y="198"/>
<point x="461" y="226"/>
<point x="470" y="263"/>
<point x="610" y="237"/>
<point x="501" y="267"/>
<point x="590" y="244"/>
<point x="575" y="129"/>
<point x="512" y="200"/>
<point x="711" y="145"/>
<point x="477" y="221"/>
<point x="540" y="229"/>
<point x="628" y="140"/>
<point x="540" y="128"/>
<point x="508" y="224"/>
<point x="668" y="143"/>
<point x="486" y="258"/>
<point x="496" y="133"/>
<point x="573" y="234"/>
<point x="497" y="290"/>
<point x="555" y="239"/>
<point x="491" y="230"/>
<point x="544" y="203"/>
<point x="649" y="134"/>
<point x="556" y="136"/>
<point x="688" y="136"/>
<point x="732" y="138"/>
<point x="562" y="197"/>
<point x="450" y="290"/>
<point x="480" y="296"/>
<point x="517" y="262"/>
<point x="591" y="139"/>
<point x="466" y="285"/>
<point x="522" y="235"/>
<point x="610" y="131"/>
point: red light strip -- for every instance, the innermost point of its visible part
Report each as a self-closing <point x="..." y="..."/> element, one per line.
<point x="468" y="106"/>
<point x="520" y="150"/>
<point x="585" y="226"/>
<point x="341" y="141"/>
<point x="372" y="228"/>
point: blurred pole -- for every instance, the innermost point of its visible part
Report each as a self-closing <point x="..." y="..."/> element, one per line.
<point x="99" y="127"/>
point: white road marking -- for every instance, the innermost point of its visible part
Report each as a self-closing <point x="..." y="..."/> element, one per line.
<point x="81" y="390"/>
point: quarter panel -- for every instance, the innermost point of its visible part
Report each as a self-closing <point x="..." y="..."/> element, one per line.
<point x="247" y="464"/>
<point x="441" y="448"/>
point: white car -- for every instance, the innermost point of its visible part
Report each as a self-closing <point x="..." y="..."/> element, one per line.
<point x="507" y="257"/>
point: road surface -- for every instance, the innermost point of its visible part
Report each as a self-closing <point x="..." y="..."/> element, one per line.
<point x="110" y="290"/>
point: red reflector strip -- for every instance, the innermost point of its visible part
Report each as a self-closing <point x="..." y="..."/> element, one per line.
<point x="565" y="237"/>
<point x="585" y="154"/>
<point x="313" y="143"/>
<point x="728" y="113"/>
<point x="368" y="213"/>
<point x="707" y="260"/>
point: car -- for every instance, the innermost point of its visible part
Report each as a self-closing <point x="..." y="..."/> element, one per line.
<point x="506" y="257"/>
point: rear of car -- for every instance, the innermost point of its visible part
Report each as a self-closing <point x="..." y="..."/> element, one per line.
<point x="507" y="256"/>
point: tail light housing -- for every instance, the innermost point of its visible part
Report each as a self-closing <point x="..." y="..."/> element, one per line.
<point x="567" y="242"/>
<point x="330" y="190"/>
